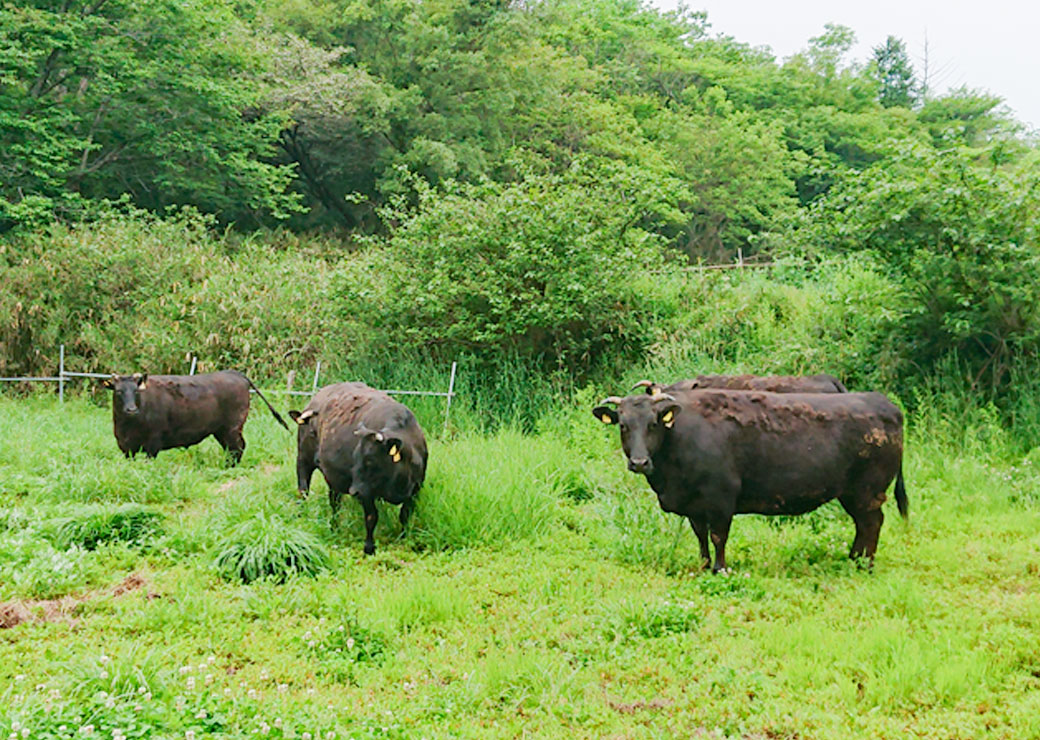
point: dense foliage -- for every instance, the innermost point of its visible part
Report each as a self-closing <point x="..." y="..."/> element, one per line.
<point x="497" y="182"/>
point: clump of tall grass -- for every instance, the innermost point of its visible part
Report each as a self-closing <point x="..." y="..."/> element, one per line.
<point x="266" y="546"/>
<point x="131" y="524"/>
<point x="483" y="490"/>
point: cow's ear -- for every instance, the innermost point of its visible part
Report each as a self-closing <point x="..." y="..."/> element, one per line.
<point x="142" y="380"/>
<point x="605" y="414"/>
<point x="295" y="416"/>
<point x="667" y="412"/>
<point x="393" y="448"/>
<point x="302" y="417"/>
<point x="109" y="382"/>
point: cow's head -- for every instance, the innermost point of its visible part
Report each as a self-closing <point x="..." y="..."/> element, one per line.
<point x="644" y="422"/>
<point x="381" y="465"/>
<point x="126" y="391"/>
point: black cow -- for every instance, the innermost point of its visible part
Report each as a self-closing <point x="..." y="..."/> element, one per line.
<point x="157" y="412"/>
<point x="366" y="444"/>
<point x="821" y="383"/>
<point x="710" y="454"/>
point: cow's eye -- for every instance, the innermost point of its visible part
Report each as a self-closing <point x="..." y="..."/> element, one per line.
<point x="624" y="427"/>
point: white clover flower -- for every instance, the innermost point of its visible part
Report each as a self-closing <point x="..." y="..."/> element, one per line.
<point x="278" y="722"/>
<point x="190" y="683"/>
<point x="306" y="736"/>
<point x="209" y="678"/>
<point x="350" y="643"/>
<point x="184" y="669"/>
<point x="201" y="714"/>
<point x="141" y="690"/>
<point x="189" y="735"/>
<point x="104" y="659"/>
<point x="110" y="702"/>
<point x="227" y="692"/>
<point x="251" y="693"/>
<point x="282" y="688"/>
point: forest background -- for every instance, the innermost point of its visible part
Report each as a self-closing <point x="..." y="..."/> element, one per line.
<point x="389" y="185"/>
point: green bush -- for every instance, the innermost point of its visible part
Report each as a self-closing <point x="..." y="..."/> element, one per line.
<point x="143" y="293"/>
<point x="962" y="237"/>
<point x="539" y="269"/>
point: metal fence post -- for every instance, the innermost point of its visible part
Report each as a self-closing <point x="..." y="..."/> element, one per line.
<point x="61" y="374"/>
<point x="314" y="385"/>
<point x="451" y="392"/>
<point x="194" y="361"/>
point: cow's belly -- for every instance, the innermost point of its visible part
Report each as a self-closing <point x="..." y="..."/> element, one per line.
<point x="184" y="437"/>
<point x="789" y="491"/>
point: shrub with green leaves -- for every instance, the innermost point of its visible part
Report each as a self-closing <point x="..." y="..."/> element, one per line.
<point x="266" y="546"/>
<point x="540" y="268"/>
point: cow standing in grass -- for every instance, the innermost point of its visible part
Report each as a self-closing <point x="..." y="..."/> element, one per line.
<point x="157" y="412"/>
<point x="821" y="383"/>
<point x="710" y="454"/>
<point x="366" y="444"/>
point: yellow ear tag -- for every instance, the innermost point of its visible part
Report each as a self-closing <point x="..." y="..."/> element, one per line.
<point x="393" y="450"/>
<point x="606" y="419"/>
<point x="396" y="457"/>
<point x="142" y="387"/>
<point x="300" y="420"/>
<point x="655" y="391"/>
<point x="668" y="419"/>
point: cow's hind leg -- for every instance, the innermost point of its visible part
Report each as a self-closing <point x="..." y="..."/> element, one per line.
<point x="700" y="528"/>
<point x="234" y="444"/>
<point x="868" y="520"/>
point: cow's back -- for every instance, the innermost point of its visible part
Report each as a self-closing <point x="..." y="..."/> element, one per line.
<point x="821" y="383"/>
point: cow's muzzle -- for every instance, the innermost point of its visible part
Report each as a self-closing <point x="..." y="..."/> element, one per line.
<point x="132" y="411"/>
<point x="642" y="465"/>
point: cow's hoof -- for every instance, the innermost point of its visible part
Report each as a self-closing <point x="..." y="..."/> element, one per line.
<point x="370" y="548"/>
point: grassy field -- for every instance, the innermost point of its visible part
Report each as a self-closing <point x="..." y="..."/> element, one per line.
<point x="539" y="592"/>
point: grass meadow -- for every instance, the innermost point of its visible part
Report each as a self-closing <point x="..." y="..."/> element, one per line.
<point x="538" y="592"/>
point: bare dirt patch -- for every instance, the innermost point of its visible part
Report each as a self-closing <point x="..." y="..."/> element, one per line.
<point x="13" y="613"/>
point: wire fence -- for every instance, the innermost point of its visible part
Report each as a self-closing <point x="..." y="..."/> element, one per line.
<point x="64" y="375"/>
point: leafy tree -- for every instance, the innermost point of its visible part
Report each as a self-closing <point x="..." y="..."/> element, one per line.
<point x="104" y="98"/>
<point x="963" y="237"/>
<point x="894" y="73"/>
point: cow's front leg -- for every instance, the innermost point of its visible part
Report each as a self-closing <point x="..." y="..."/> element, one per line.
<point x="718" y="524"/>
<point x="152" y="446"/>
<point x="371" y="517"/>
<point x="700" y="528"/>
<point x="304" y="472"/>
<point x="406" y="510"/>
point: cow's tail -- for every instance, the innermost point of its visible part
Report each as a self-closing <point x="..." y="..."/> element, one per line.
<point x="277" y="416"/>
<point x="901" y="501"/>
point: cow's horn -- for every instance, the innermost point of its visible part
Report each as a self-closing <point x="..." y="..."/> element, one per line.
<point x="644" y="384"/>
<point x="611" y="399"/>
<point x="663" y="397"/>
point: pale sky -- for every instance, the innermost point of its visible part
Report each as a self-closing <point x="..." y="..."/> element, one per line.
<point x="992" y="46"/>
